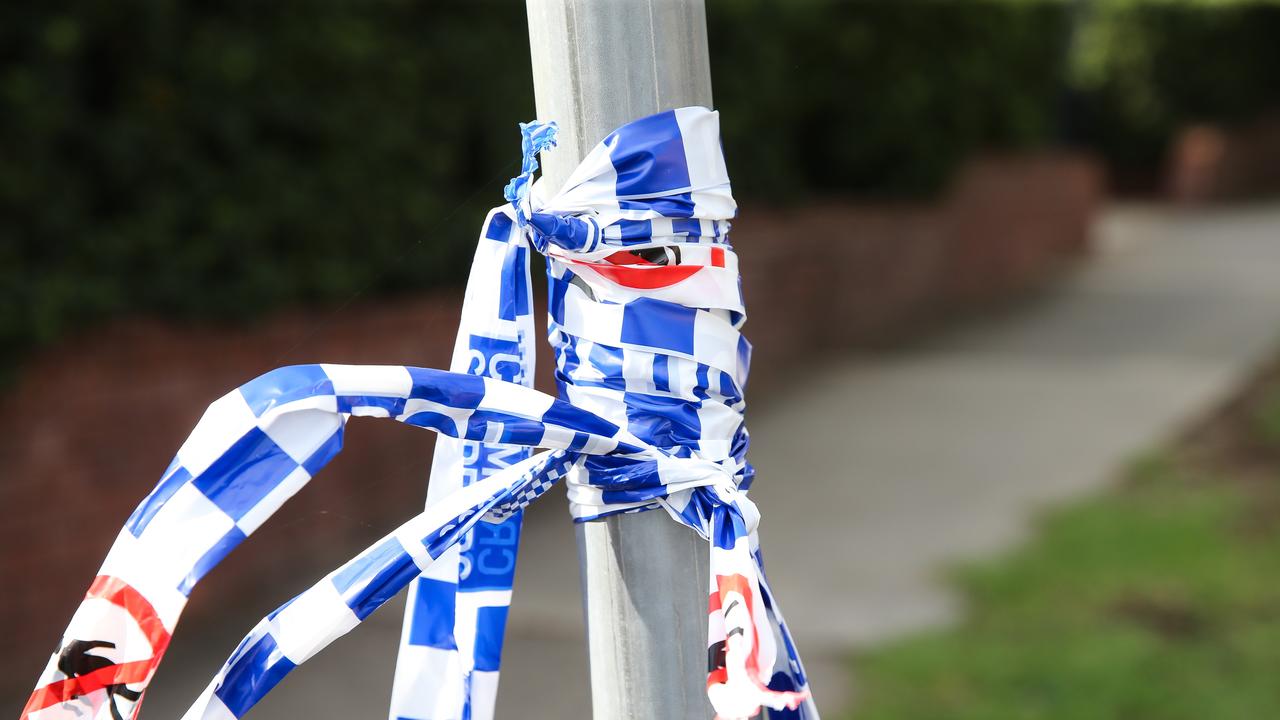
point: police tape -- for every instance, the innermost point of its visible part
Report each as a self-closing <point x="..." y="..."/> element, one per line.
<point x="645" y="311"/>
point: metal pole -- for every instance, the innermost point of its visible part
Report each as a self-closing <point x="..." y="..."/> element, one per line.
<point x="598" y="64"/>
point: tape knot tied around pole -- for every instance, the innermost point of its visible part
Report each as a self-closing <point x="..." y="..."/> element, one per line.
<point x="644" y="316"/>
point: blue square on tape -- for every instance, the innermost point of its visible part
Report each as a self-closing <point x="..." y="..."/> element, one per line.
<point x="252" y="675"/>
<point x="245" y="473"/>
<point x="659" y="324"/>
<point x="654" y="161"/>
<point x="491" y="622"/>
<point x="372" y="579"/>
<point x="663" y="421"/>
<point x="211" y="558"/>
<point x="141" y="517"/>
<point x="434" y="607"/>
<point x="499" y="227"/>
<point x="285" y="385"/>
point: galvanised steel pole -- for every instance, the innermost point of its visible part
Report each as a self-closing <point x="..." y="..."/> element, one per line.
<point x="598" y="64"/>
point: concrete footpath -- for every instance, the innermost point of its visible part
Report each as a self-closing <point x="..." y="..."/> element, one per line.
<point x="877" y="472"/>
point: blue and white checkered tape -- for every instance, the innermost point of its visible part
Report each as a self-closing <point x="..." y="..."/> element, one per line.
<point x="645" y="310"/>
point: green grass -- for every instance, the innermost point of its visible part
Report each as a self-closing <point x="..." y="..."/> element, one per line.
<point x="1159" y="600"/>
<point x="1268" y="416"/>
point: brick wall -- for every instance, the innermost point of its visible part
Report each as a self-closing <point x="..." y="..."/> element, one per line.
<point x="91" y="423"/>
<point x="1209" y="163"/>
<point x="837" y="275"/>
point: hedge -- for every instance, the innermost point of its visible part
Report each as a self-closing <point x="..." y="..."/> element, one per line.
<point x="216" y="160"/>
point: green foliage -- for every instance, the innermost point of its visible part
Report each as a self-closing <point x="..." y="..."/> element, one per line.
<point x="216" y="160"/>
<point x="886" y="97"/>
<point x="219" y="159"/>
<point x="1147" y="69"/>
<point x="880" y="97"/>
<point x="1156" y="601"/>
<point x="1267" y="418"/>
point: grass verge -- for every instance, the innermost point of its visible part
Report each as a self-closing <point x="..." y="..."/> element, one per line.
<point x="1159" y="599"/>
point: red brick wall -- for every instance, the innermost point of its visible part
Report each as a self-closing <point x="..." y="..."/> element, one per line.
<point x="1209" y="163"/>
<point x="838" y="275"/>
<point x="91" y="423"/>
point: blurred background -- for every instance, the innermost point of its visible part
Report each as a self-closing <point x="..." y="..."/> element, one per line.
<point x="1012" y="270"/>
